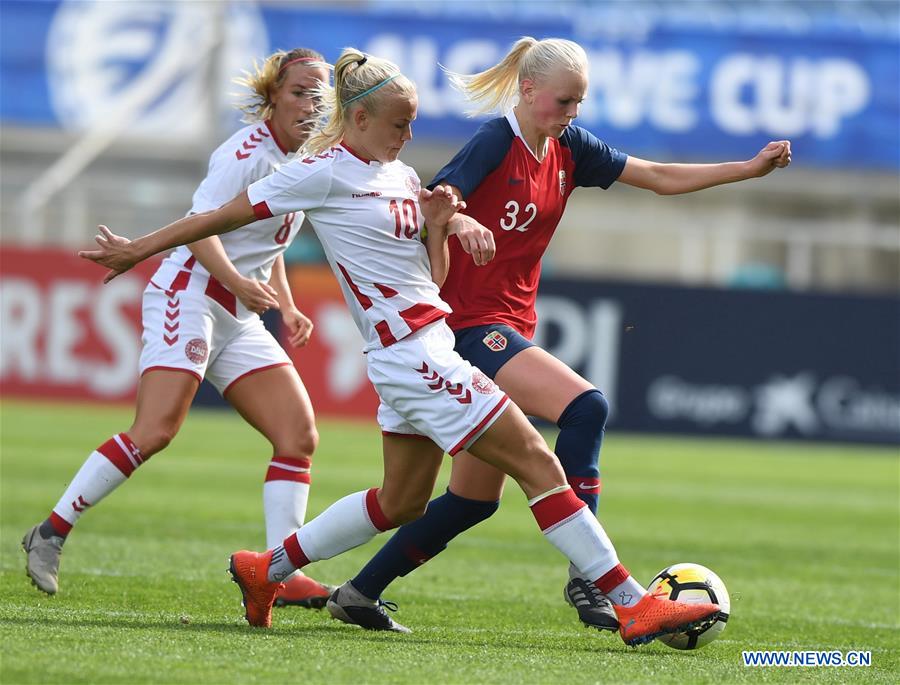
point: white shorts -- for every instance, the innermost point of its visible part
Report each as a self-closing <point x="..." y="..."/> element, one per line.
<point x="426" y="388"/>
<point x="187" y="330"/>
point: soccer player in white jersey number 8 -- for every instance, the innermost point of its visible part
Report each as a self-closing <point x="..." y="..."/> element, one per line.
<point x="367" y="209"/>
<point x="200" y="314"/>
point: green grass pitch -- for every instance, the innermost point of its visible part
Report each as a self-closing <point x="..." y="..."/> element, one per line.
<point x="805" y="536"/>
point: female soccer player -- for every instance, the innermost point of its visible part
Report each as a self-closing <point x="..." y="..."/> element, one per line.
<point x="516" y="175"/>
<point x="200" y="314"/>
<point x="367" y="209"/>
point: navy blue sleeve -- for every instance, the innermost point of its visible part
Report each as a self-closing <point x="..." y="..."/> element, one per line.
<point x="478" y="158"/>
<point x="596" y="163"/>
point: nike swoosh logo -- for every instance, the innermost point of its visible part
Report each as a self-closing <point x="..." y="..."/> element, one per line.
<point x="583" y="486"/>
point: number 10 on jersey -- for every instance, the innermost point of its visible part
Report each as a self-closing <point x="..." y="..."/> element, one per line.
<point x="406" y="218"/>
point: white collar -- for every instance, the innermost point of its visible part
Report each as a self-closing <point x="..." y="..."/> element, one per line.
<point x="514" y="124"/>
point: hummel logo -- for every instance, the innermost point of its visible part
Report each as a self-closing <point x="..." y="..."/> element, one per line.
<point x="625" y="598"/>
<point x="516" y="181"/>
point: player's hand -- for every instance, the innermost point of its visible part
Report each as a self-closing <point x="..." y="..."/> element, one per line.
<point x="439" y="205"/>
<point x="255" y="295"/>
<point x="475" y="239"/>
<point x="775" y="155"/>
<point x="116" y="253"/>
<point x="299" y="327"/>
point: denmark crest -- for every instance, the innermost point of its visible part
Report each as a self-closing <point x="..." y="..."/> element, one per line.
<point x="413" y="185"/>
<point x="495" y="341"/>
<point x="196" y="350"/>
<point x="482" y="384"/>
<point x="562" y="181"/>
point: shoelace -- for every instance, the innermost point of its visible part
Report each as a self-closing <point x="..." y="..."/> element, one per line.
<point x="390" y="606"/>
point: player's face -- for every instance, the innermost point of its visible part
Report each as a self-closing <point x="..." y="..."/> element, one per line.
<point x="556" y="100"/>
<point x="390" y="128"/>
<point x="294" y="103"/>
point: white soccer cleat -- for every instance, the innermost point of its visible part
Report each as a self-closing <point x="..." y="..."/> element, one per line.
<point x="42" y="563"/>
<point x="349" y="605"/>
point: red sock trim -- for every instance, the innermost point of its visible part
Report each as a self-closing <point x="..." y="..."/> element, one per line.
<point x="289" y="468"/>
<point x="122" y="453"/>
<point x="556" y="508"/>
<point x="609" y="580"/>
<point x="415" y="555"/>
<point x="586" y="486"/>
<point x="376" y="515"/>
<point x="60" y="525"/>
<point x="294" y="551"/>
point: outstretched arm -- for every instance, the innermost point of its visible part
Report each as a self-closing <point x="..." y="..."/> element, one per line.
<point x="120" y="254"/>
<point x="674" y="179"/>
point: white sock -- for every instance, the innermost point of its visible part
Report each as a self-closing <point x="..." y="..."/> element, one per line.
<point x="350" y="522"/>
<point x="627" y="593"/>
<point x="103" y="471"/>
<point x="570" y="526"/>
<point x="285" y="497"/>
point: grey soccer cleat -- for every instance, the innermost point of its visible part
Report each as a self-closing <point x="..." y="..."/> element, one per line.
<point x="594" y="608"/>
<point x="42" y="564"/>
<point x="349" y="605"/>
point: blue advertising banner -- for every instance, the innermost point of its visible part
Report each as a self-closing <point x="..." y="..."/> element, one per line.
<point x="685" y="92"/>
<point x="730" y="362"/>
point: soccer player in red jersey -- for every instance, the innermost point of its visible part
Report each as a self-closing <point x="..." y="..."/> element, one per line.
<point x="368" y="210"/>
<point x="200" y="316"/>
<point x="516" y="175"/>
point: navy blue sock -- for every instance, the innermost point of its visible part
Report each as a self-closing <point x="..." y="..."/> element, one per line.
<point x="415" y="543"/>
<point x="578" y="445"/>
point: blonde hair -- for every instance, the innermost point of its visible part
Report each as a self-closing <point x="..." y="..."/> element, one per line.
<point x="359" y="80"/>
<point x="266" y="78"/>
<point x="495" y="89"/>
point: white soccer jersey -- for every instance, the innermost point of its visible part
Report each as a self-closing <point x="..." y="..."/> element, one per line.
<point x="249" y="155"/>
<point x="367" y="217"/>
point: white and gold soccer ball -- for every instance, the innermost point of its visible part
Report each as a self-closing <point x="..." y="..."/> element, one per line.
<point x="693" y="584"/>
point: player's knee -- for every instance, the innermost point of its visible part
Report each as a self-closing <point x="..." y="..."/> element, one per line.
<point x="589" y="409"/>
<point x="300" y="442"/>
<point x="152" y="439"/>
<point x="406" y="511"/>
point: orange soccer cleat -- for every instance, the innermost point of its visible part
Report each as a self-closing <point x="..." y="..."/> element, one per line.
<point x="654" y="616"/>
<point x="302" y="591"/>
<point x="250" y="571"/>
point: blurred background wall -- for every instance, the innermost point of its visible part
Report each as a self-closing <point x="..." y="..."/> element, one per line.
<point x="109" y="111"/>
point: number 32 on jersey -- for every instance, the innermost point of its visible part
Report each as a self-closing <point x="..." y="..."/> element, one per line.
<point x="512" y="220"/>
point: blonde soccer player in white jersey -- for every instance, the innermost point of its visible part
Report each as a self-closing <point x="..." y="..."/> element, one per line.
<point x="368" y="211"/>
<point x="201" y="319"/>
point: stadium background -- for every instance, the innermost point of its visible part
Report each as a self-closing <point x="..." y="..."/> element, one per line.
<point x="740" y="316"/>
<point x="767" y="308"/>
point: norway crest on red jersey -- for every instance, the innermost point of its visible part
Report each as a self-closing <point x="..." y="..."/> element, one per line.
<point x="495" y="341"/>
<point x="562" y="181"/>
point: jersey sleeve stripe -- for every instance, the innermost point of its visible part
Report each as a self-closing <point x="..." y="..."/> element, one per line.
<point x="261" y="210"/>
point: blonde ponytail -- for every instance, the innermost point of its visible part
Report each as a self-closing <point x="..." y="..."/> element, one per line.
<point x="262" y="80"/>
<point x="495" y="89"/>
<point x="360" y="80"/>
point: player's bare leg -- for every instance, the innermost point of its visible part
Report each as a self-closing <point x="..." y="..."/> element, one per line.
<point x="409" y="476"/>
<point x="411" y="466"/>
<point x="545" y="387"/>
<point x="276" y="403"/>
<point x="163" y="400"/>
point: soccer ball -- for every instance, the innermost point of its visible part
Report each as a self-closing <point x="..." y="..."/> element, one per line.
<point x="693" y="583"/>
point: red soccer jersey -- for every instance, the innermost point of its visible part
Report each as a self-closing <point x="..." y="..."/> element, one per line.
<point x="521" y="200"/>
